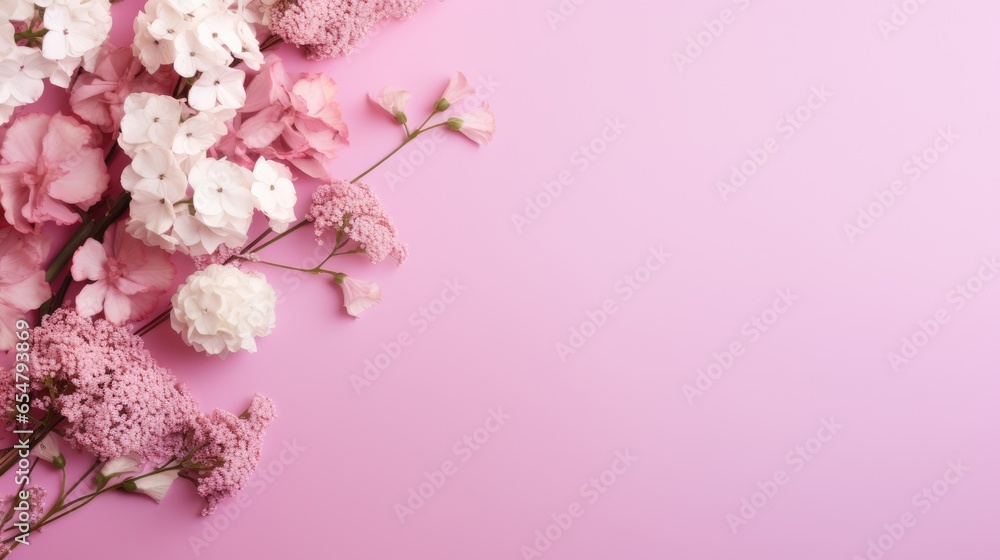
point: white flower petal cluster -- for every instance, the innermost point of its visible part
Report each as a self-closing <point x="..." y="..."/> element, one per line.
<point x="223" y="309"/>
<point x="181" y="198"/>
<point x="51" y="39"/>
<point x="200" y="39"/>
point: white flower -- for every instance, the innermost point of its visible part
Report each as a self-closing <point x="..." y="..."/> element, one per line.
<point x="359" y="295"/>
<point x="150" y="119"/>
<point x="155" y="486"/>
<point x="30" y="68"/>
<point x="71" y="32"/>
<point x="198" y="239"/>
<point x="168" y="24"/>
<point x="121" y="465"/>
<point x="458" y="89"/>
<point x="19" y="10"/>
<point x="221" y="192"/>
<point x="193" y="56"/>
<point x="394" y="101"/>
<point x="200" y="132"/>
<point x="222" y="309"/>
<point x="48" y="450"/>
<point x="219" y="31"/>
<point x="274" y="193"/>
<point x="155" y="212"/>
<point x="219" y="86"/>
<point x="138" y="229"/>
<point x="155" y="171"/>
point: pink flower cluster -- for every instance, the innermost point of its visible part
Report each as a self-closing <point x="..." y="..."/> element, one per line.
<point x="22" y="284"/>
<point x="298" y="122"/>
<point x="98" y="96"/>
<point x="328" y="28"/>
<point x="227" y="450"/>
<point x="116" y="399"/>
<point x="355" y="210"/>
<point x="49" y="164"/>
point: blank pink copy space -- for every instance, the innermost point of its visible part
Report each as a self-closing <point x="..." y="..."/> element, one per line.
<point x="725" y="286"/>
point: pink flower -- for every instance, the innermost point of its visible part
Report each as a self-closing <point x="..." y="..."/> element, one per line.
<point x="354" y="209"/>
<point x="393" y="101"/>
<point x="458" y="89"/>
<point x="49" y="163"/>
<point x="478" y="125"/>
<point x="22" y="282"/>
<point x="328" y="28"/>
<point x="359" y="295"/>
<point x="128" y="277"/>
<point x="115" y="398"/>
<point x="98" y="96"/>
<point x="299" y="123"/>
<point x="228" y="450"/>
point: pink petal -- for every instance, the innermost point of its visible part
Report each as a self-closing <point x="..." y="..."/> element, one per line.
<point x="90" y="300"/>
<point x="89" y="262"/>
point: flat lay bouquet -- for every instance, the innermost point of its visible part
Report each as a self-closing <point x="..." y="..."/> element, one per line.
<point x="214" y="135"/>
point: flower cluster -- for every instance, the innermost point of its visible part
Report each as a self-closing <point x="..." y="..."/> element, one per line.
<point x="197" y="38"/>
<point x="354" y="210"/>
<point x="22" y="284"/>
<point x="223" y="309"/>
<point x="328" y="28"/>
<point x="115" y="398"/>
<point x="46" y="39"/>
<point x="295" y="121"/>
<point x="182" y="199"/>
<point x="50" y="168"/>
<point x="227" y="450"/>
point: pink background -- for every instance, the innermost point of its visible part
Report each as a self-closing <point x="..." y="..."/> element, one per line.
<point x="495" y="346"/>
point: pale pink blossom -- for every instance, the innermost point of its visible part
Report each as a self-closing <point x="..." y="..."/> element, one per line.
<point x="458" y="89"/>
<point x="155" y="486"/>
<point x="355" y="210"/>
<point x="359" y="295"/>
<point x="22" y="281"/>
<point x="393" y="100"/>
<point x="478" y="125"/>
<point x="49" y="163"/>
<point x="127" y="277"/>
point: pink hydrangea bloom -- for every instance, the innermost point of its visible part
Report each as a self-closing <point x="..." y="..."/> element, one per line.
<point x="296" y="122"/>
<point x="98" y="96"/>
<point x="115" y="398"/>
<point x="227" y="450"/>
<point x="355" y="210"/>
<point x="49" y="163"/>
<point x="22" y="282"/>
<point x="128" y="277"/>
<point x="328" y="28"/>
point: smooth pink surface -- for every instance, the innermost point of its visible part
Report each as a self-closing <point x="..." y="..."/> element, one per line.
<point x="495" y="346"/>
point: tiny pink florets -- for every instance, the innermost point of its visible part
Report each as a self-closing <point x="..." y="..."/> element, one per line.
<point x="366" y="221"/>
<point x="229" y="447"/>
<point x="328" y="28"/>
<point x="115" y="398"/>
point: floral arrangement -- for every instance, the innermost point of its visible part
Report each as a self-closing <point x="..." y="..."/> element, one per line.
<point x="214" y="134"/>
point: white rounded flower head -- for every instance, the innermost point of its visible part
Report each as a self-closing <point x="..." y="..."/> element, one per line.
<point x="223" y="309"/>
